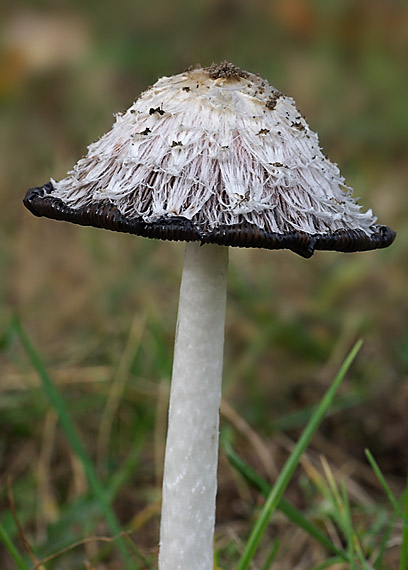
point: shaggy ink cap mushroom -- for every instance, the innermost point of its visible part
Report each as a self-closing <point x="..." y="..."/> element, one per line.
<point x="215" y="155"/>
<point x="212" y="156"/>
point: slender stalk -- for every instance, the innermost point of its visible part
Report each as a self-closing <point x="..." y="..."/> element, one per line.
<point x="190" y="468"/>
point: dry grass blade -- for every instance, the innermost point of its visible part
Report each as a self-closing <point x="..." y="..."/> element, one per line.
<point x="118" y="386"/>
<point x="39" y="564"/>
<point x="20" y="530"/>
<point x="254" y="439"/>
<point x="49" y="506"/>
<point x="23" y="380"/>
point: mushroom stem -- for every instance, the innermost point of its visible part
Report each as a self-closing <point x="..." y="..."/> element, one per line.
<point x="190" y="467"/>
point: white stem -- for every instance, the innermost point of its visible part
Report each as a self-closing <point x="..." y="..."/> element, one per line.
<point x="190" y="467"/>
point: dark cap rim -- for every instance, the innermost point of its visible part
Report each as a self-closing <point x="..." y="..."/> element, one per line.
<point x="176" y="228"/>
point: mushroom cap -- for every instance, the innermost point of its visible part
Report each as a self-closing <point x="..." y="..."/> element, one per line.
<point x="215" y="155"/>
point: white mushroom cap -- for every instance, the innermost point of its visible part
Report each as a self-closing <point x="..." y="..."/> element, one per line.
<point x="217" y="147"/>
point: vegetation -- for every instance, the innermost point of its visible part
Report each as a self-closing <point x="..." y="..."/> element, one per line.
<point x="87" y="317"/>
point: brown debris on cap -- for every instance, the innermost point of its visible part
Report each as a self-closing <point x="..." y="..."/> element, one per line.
<point x="272" y="100"/>
<point x="226" y="70"/>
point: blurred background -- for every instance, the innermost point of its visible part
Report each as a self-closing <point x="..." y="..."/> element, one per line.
<point x="100" y="307"/>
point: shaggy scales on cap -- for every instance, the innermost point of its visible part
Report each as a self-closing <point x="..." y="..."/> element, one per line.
<point x="215" y="155"/>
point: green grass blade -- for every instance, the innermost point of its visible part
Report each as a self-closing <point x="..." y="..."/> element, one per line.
<point x="288" y="469"/>
<point x="301" y="417"/>
<point x="404" y="545"/>
<point x="72" y="435"/>
<point x="386" y="488"/>
<point x="327" y="563"/>
<point x="289" y="510"/>
<point x="125" y="472"/>
<point x="378" y="562"/>
<point x="343" y="508"/>
<point x="14" y="553"/>
<point x="352" y="534"/>
<point x="272" y="555"/>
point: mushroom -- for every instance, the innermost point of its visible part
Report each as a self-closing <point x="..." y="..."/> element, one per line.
<point x="215" y="157"/>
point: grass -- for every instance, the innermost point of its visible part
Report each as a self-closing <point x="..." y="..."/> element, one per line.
<point x="356" y="550"/>
<point x="12" y="549"/>
<point x="288" y="469"/>
<point x="97" y="489"/>
<point x="100" y="308"/>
